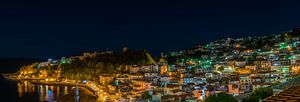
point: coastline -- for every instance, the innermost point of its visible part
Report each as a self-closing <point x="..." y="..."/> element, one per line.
<point x="14" y="77"/>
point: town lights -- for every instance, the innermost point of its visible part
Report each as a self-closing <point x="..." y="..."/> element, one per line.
<point x="52" y="79"/>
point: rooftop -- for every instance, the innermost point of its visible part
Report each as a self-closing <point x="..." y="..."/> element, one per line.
<point x="289" y="95"/>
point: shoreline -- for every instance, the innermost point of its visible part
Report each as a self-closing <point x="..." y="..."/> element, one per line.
<point x="14" y="77"/>
<point x="97" y="91"/>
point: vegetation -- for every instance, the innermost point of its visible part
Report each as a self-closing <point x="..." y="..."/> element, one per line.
<point x="89" y="68"/>
<point x="221" y="69"/>
<point x="259" y="94"/>
<point x="146" y="95"/>
<point x="221" y="97"/>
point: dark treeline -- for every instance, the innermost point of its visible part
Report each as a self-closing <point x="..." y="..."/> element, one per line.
<point x="90" y="68"/>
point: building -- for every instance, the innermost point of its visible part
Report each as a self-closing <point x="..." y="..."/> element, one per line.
<point x="234" y="86"/>
<point x="245" y="83"/>
<point x="105" y="79"/>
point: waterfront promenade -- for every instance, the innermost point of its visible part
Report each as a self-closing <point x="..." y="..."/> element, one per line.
<point x="96" y="90"/>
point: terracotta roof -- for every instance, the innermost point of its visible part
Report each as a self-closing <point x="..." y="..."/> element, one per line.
<point x="289" y="95"/>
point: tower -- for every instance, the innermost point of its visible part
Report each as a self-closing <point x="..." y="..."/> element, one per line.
<point x="77" y="93"/>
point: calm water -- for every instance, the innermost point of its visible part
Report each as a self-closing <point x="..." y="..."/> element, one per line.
<point x="25" y="91"/>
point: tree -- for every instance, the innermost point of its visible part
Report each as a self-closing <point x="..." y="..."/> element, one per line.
<point x="221" y="97"/>
<point x="146" y="95"/>
<point x="90" y="68"/>
<point x="258" y="94"/>
<point x="221" y="69"/>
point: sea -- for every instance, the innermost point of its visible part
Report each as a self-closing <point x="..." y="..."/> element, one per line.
<point x="24" y="91"/>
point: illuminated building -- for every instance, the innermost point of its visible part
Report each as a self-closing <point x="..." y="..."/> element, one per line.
<point x="105" y="80"/>
<point x="262" y="63"/>
<point x="202" y="70"/>
<point x="151" y="77"/>
<point x="134" y="69"/>
<point x="165" y="79"/>
<point x="181" y="69"/>
<point x="251" y="67"/>
<point x="234" y="86"/>
<point x="141" y="85"/>
<point x="245" y="83"/>
<point x="136" y="76"/>
<point x="188" y="79"/>
<point x="295" y="69"/>
<point x="240" y="63"/>
<point x="200" y="79"/>
<point x="163" y="69"/>
<point x="149" y="68"/>
<point x="263" y="79"/>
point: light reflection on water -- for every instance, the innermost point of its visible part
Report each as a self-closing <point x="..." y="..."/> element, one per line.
<point x="43" y="92"/>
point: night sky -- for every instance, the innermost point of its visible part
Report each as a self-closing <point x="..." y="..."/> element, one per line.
<point x="44" y="28"/>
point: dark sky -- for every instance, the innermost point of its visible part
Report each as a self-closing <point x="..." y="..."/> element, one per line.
<point x="50" y="28"/>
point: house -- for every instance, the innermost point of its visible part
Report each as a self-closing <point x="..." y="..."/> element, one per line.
<point x="136" y="76"/>
<point x="240" y="63"/>
<point x="172" y="89"/>
<point x="234" y="86"/>
<point x="262" y="63"/>
<point x="245" y="83"/>
<point x="163" y="69"/>
<point x="165" y="79"/>
<point x="199" y="78"/>
<point x="150" y="68"/>
<point x="105" y="79"/>
<point x="181" y="69"/>
<point x="251" y="67"/>
<point x="141" y="85"/>
<point x="123" y="78"/>
<point x="202" y="70"/>
<point x="151" y="77"/>
<point x="134" y="69"/>
<point x="295" y="69"/>
<point x="256" y="86"/>
<point x="263" y="79"/>
<point x="188" y="79"/>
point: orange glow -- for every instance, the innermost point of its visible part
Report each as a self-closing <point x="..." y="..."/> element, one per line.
<point x="243" y="71"/>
